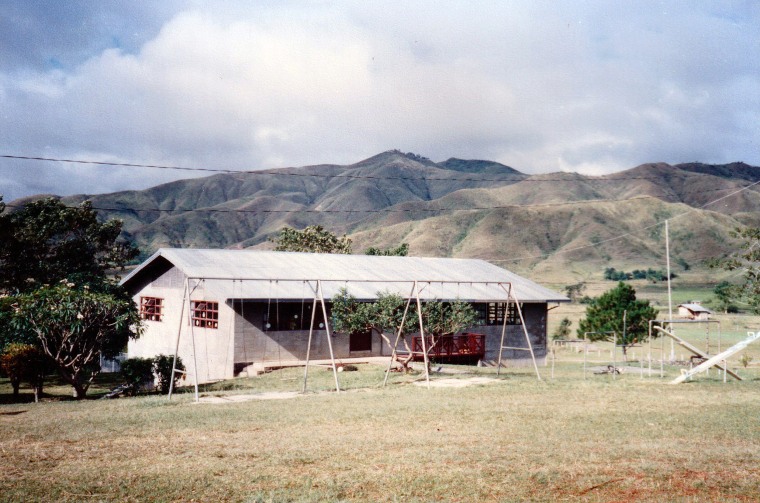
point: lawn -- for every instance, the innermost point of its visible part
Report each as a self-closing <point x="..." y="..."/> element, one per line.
<point x="513" y="439"/>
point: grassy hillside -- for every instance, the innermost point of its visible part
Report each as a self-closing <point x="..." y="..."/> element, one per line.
<point x="564" y="226"/>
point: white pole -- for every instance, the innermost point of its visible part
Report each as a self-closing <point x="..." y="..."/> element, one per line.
<point x="308" y="347"/>
<point x="422" y="333"/>
<point x="328" y="335"/>
<point x="614" y="360"/>
<point x="670" y="296"/>
<point x="176" y="346"/>
<point x="553" y="358"/>
<point x="195" y="357"/>
<point x="585" y="353"/>
<point x="394" y="351"/>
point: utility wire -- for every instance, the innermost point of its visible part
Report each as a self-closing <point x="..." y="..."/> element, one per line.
<point x="399" y="210"/>
<point x="128" y="209"/>
<point x="516" y="177"/>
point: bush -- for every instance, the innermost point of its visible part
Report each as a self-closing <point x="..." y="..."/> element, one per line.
<point x="137" y="372"/>
<point x="24" y="363"/>
<point x="563" y="330"/>
<point x="162" y="367"/>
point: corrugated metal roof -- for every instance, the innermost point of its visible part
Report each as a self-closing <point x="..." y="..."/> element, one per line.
<point x="695" y="308"/>
<point x="254" y="274"/>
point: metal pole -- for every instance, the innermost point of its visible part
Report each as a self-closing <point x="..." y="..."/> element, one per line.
<point x="308" y="347"/>
<point x="553" y="358"/>
<point x="585" y="353"/>
<point x="195" y="356"/>
<point x="670" y="296"/>
<point x="176" y="346"/>
<point x="503" y="330"/>
<point x="525" y="331"/>
<point x="398" y="337"/>
<point x="328" y="335"/>
<point x="614" y="361"/>
<point x="625" y="339"/>
<point x="422" y="333"/>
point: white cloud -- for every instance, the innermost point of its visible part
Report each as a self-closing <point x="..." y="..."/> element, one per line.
<point x="540" y="86"/>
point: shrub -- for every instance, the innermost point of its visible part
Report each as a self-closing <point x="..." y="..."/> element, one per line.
<point x="24" y="363"/>
<point x="563" y="330"/>
<point x="162" y="367"/>
<point x="137" y="372"/>
<point x="745" y="360"/>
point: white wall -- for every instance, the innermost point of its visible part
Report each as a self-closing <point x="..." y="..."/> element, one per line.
<point x="213" y="352"/>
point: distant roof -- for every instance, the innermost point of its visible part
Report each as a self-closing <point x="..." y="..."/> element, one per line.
<point x="255" y="274"/>
<point x="695" y="308"/>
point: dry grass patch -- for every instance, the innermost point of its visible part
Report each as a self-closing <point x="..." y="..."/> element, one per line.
<point x="513" y="439"/>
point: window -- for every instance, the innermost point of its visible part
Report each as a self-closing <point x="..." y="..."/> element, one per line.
<point x="205" y="314"/>
<point x="151" y="308"/>
<point x="492" y="313"/>
<point x="281" y="316"/>
<point x="360" y="341"/>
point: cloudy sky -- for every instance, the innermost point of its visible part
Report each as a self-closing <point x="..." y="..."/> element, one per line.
<point x="539" y="85"/>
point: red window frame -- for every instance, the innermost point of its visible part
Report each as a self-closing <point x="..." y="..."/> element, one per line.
<point x="205" y="314"/>
<point x="151" y="308"/>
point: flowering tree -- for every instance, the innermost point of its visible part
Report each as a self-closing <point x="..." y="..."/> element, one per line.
<point x="312" y="239"/>
<point x="384" y="317"/>
<point x="74" y="326"/>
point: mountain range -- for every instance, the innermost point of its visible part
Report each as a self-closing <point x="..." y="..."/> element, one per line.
<point x="562" y="224"/>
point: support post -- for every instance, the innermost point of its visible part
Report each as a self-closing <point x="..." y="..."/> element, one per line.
<point x="195" y="356"/>
<point x="176" y="345"/>
<point x="422" y="333"/>
<point x="670" y="296"/>
<point x="525" y="331"/>
<point x="308" y="347"/>
<point x="503" y="331"/>
<point x="614" y="357"/>
<point x="328" y="335"/>
<point x="398" y="337"/>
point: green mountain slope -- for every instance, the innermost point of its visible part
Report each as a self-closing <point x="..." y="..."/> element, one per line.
<point x="564" y="223"/>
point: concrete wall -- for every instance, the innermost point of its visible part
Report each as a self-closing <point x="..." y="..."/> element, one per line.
<point x="254" y="344"/>
<point x="241" y="338"/>
<point x="214" y="348"/>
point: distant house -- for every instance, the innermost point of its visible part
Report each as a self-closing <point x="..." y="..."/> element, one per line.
<point x="235" y="308"/>
<point x="694" y="311"/>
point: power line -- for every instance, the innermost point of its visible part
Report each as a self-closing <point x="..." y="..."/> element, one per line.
<point x="128" y="209"/>
<point x="400" y="210"/>
<point x="517" y="177"/>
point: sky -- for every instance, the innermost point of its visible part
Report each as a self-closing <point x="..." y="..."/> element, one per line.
<point x="539" y="85"/>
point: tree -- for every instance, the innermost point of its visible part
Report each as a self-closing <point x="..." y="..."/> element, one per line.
<point x="618" y="311"/>
<point x="24" y="363"/>
<point x="74" y="326"/>
<point x="162" y="368"/>
<point x="136" y="373"/>
<point x="312" y="239"/>
<point x="747" y="259"/>
<point x="46" y="241"/>
<point x="384" y="317"/>
<point x="55" y="290"/>
<point x="725" y="292"/>
<point x="400" y="251"/>
<point x="563" y="330"/>
<point x="575" y="292"/>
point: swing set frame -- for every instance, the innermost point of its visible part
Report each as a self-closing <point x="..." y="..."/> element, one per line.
<point x="318" y="299"/>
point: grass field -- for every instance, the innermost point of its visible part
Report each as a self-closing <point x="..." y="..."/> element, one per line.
<point x="513" y="439"/>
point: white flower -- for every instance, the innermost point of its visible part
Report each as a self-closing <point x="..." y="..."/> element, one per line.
<point x="80" y="316"/>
